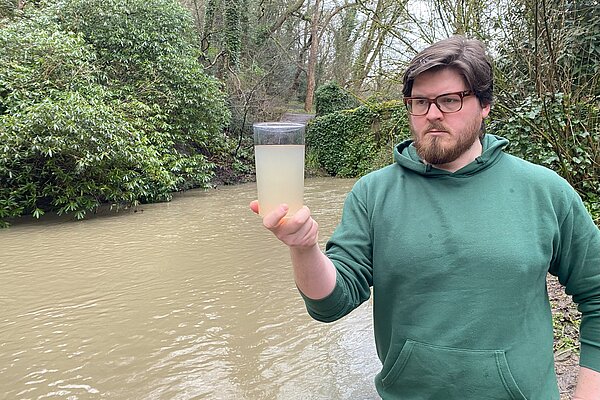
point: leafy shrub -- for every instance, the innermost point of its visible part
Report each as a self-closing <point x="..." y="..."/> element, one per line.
<point x="72" y="153"/>
<point x="331" y="97"/>
<point x="7" y="8"/>
<point x="148" y="52"/>
<point x="351" y="143"/>
<point x="560" y="134"/>
<point x="82" y="124"/>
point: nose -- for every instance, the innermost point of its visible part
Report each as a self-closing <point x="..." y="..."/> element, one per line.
<point x="434" y="112"/>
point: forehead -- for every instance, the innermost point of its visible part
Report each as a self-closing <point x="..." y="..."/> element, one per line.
<point x="438" y="81"/>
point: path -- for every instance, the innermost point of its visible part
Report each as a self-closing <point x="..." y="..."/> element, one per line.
<point x="298" y="118"/>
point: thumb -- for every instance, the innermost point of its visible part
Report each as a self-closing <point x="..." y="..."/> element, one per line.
<point x="254" y="206"/>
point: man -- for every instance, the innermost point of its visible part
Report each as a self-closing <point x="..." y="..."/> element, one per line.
<point x="456" y="239"/>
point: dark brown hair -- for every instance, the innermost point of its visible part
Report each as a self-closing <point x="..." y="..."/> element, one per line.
<point x="466" y="56"/>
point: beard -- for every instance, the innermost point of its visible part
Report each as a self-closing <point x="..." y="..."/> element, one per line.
<point x="439" y="150"/>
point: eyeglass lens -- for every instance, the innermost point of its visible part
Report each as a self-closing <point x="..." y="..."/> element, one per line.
<point x="446" y="103"/>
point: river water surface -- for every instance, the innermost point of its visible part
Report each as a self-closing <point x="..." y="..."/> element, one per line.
<point x="191" y="299"/>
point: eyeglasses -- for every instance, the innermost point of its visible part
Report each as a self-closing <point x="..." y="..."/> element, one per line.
<point x="446" y="103"/>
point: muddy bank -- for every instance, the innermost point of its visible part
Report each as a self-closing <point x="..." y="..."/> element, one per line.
<point x="566" y="337"/>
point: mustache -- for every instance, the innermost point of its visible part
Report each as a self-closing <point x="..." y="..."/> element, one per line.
<point x="435" y="126"/>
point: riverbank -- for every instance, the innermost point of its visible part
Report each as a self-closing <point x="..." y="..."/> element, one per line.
<point x="566" y="337"/>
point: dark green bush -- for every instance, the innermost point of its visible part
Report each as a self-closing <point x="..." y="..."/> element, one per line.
<point x="351" y="143"/>
<point x="72" y="153"/>
<point x="91" y="115"/>
<point x="148" y="51"/>
<point x="7" y="8"/>
<point x="331" y="97"/>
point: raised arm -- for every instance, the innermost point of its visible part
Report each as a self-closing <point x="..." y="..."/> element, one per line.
<point x="314" y="273"/>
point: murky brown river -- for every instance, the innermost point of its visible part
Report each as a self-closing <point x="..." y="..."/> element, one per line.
<point x="190" y="299"/>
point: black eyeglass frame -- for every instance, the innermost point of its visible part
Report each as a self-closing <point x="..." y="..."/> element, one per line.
<point x="461" y="94"/>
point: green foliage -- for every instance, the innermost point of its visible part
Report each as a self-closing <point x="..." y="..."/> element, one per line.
<point x="71" y="153"/>
<point x="233" y="31"/>
<point x="581" y="55"/>
<point x="7" y="8"/>
<point x="593" y="206"/>
<point x="37" y="61"/>
<point x="226" y="27"/>
<point x="549" y="49"/>
<point x="148" y="52"/>
<point x="103" y="101"/>
<point x="331" y="97"/>
<point x="558" y="133"/>
<point x="351" y="143"/>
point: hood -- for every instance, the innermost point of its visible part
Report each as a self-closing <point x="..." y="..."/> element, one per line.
<point x="405" y="154"/>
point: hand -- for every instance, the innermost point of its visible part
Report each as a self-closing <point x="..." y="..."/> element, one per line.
<point x="299" y="231"/>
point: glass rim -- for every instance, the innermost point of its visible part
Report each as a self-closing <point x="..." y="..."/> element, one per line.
<point x="278" y="124"/>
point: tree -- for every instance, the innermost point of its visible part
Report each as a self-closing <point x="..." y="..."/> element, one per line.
<point x="313" y="56"/>
<point x="380" y="22"/>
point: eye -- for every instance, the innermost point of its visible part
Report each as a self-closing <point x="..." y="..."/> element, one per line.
<point x="419" y="102"/>
<point x="449" y="99"/>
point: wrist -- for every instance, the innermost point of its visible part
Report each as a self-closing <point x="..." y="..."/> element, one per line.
<point x="304" y="248"/>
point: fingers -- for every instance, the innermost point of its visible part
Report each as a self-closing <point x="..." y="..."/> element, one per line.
<point x="273" y="219"/>
<point x="301" y="216"/>
<point x="298" y="231"/>
<point x="306" y="236"/>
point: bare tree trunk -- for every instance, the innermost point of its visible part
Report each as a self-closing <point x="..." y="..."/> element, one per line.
<point x="359" y="74"/>
<point x="312" y="57"/>
<point x="376" y="51"/>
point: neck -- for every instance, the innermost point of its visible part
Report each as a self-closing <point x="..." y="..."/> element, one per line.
<point x="464" y="159"/>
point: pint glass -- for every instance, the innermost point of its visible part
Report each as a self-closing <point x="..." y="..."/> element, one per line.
<point x="279" y="156"/>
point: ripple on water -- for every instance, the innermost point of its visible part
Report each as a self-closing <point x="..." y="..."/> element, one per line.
<point x="188" y="299"/>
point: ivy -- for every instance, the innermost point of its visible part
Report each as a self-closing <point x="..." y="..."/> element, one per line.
<point x="233" y="32"/>
<point x="331" y="97"/>
<point x="559" y="133"/>
<point x="351" y="143"/>
<point x="7" y="8"/>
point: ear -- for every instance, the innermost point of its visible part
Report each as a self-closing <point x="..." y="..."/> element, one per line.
<point x="485" y="110"/>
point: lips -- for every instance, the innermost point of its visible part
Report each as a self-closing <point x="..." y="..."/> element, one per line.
<point x="437" y="132"/>
<point x="436" y="129"/>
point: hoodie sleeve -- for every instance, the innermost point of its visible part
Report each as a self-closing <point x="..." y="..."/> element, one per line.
<point x="577" y="266"/>
<point x="350" y="250"/>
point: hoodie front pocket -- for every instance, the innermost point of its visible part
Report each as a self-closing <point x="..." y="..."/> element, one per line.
<point x="425" y="371"/>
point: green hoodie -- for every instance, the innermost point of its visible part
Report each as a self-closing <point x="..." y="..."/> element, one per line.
<point x="458" y="265"/>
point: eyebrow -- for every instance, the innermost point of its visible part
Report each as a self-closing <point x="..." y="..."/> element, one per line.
<point x="441" y="94"/>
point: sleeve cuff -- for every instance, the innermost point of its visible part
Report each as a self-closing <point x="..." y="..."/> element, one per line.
<point x="329" y="308"/>
<point x="590" y="357"/>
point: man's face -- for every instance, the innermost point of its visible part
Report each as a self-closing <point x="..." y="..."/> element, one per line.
<point x="442" y="138"/>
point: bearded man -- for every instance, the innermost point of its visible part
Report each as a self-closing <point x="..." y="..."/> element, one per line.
<point x="455" y="239"/>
